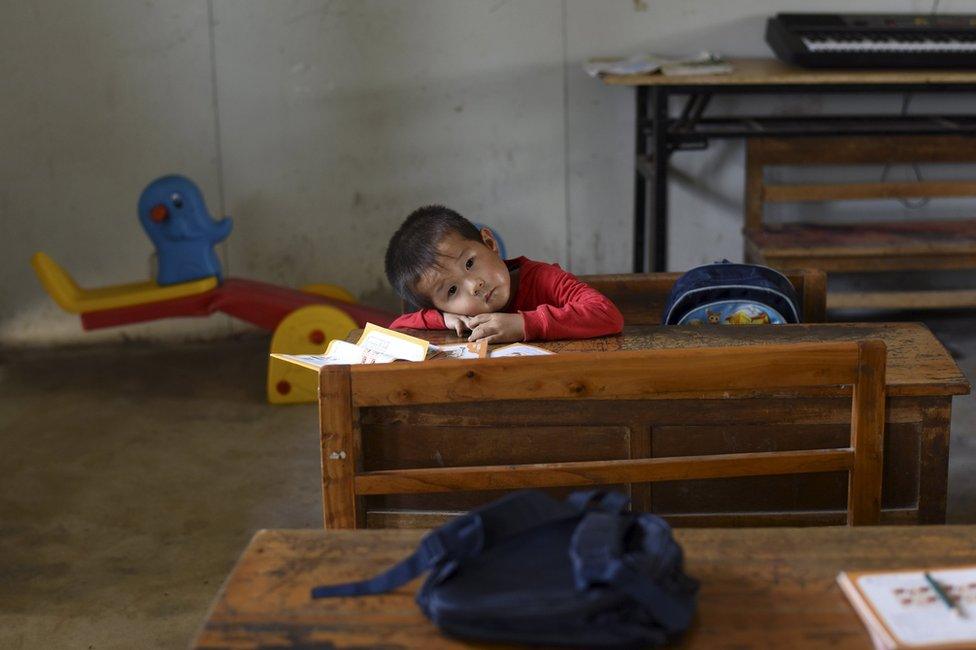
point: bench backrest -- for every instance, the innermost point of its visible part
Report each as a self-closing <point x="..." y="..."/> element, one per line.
<point x="640" y="297"/>
<point x="482" y="392"/>
<point x="851" y="150"/>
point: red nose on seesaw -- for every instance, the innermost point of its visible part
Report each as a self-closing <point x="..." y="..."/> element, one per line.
<point x="158" y="213"/>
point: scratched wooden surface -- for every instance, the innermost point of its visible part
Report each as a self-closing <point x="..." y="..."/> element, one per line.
<point x="769" y="588"/>
<point x="917" y="363"/>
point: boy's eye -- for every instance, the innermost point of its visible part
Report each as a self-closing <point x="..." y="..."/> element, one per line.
<point x="469" y="263"/>
<point x="451" y="291"/>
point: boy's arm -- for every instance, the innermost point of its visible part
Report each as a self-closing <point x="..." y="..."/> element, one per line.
<point x="574" y="310"/>
<point x="425" y="319"/>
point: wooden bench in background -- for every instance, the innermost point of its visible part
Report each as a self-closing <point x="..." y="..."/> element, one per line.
<point x="640" y="297"/>
<point x="918" y="245"/>
<point x="494" y="424"/>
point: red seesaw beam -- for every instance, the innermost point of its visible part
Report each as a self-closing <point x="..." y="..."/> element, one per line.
<point x="258" y="303"/>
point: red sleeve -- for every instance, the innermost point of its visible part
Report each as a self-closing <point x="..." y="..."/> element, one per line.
<point x="572" y="309"/>
<point x="425" y="319"/>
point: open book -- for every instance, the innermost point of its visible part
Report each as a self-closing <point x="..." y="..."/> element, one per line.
<point x="704" y="63"/>
<point x="902" y="609"/>
<point x="380" y="345"/>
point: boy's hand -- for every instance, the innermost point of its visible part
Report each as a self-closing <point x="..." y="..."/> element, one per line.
<point x="455" y="322"/>
<point x="496" y="327"/>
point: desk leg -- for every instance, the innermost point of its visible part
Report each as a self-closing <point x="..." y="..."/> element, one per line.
<point x="341" y="447"/>
<point x="659" y="211"/>
<point x="640" y="182"/>
<point x="933" y="471"/>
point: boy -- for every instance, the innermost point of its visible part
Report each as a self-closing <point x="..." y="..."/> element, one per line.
<point x="441" y="262"/>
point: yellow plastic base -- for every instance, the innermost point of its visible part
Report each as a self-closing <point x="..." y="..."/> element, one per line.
<point x="330" y="291"/>
<point x="307" y="330"/>
<point x="72" y="298"/>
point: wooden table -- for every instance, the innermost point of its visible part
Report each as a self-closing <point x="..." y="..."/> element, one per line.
<point x="658" y="135"/>
<point x="760" y="588"/>
<point x="921" y="380"/>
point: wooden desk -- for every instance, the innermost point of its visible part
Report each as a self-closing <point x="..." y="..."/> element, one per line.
<point x="769" y="588"/>
<point x="657" y="134"/>
<point x="921" y="380"/>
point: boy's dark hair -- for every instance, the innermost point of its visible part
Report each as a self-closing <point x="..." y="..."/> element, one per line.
<point x="413" y="248"/>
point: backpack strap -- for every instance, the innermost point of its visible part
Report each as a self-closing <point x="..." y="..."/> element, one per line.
<point x="612" y="502"/>
<point x="599" y="559"/>
<point x="463" y="537"/>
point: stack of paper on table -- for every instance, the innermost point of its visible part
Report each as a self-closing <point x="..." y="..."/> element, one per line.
<point x="380" y="345"/>
<point x="704" y="63"/>
<point x="901" y="610"/>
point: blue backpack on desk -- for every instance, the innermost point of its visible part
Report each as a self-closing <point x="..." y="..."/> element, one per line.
<point x="731" y="294"/>
<point x="530" y="569"/>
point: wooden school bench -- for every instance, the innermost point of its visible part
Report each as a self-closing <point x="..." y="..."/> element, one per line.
<point x="888" y="245"/>
<point x="760" y="587"/>
<point x="473" y="409"/>
<point x="921" y="379"/>
<point x="640" y="297"/>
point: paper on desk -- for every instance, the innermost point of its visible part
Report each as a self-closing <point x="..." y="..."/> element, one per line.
<point x="639" y="64"/>
<point x="701" y="63"/>
<point x="912" y="612"/>
<point x="376" y="345"/>
<point x="471" y="350"/>
<point x="380" y="343"/>
<point x="338" y="353"/>
<point x="479" y="350"/>
<point x="518" y="350"/>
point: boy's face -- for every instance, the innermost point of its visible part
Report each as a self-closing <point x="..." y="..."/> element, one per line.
<point x="471" y="277"/>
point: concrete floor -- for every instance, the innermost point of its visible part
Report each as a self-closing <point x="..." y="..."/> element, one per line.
<point x="131" y="477"/>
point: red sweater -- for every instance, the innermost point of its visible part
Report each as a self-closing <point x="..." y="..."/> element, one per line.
<point x="554" y="303"/>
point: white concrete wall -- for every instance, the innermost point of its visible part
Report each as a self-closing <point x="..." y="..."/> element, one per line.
<point x="319" y="125"/>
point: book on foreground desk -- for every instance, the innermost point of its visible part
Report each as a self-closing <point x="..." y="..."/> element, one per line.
<point x="901" y="609"/>
<point x="381" y="345"/>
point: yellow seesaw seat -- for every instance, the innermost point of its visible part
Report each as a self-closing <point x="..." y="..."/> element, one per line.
<point x="76" y="300"/>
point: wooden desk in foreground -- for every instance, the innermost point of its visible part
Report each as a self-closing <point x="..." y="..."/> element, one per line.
<point x="769" y="588"/>
<point x="920" y="382"/>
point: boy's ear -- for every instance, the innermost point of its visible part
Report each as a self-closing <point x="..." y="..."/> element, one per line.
<point x="489" y="239"/>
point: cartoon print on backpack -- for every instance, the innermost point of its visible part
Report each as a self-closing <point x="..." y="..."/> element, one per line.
<point x="731" y="294"/>
<point x="748" y="315"/>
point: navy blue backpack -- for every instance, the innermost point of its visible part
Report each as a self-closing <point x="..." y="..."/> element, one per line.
<point x="732" y="294"/>
<point x="528" y="568"/>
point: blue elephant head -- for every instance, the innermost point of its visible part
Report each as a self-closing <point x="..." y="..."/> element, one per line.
<point x="174" y="215"/>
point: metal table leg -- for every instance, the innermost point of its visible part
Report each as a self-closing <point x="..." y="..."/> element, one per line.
<point x="640" y="183"/>
<point x="660" y="152"/>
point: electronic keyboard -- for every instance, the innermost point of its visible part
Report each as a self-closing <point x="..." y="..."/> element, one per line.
<point x="874" y="40"/>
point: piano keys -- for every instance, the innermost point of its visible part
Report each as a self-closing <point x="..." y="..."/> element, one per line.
<point x="874" y="40"/>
